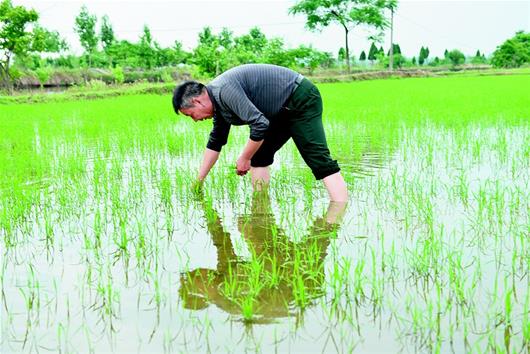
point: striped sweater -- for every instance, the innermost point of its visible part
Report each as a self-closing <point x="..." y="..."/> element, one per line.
<point x="251" y="94"/>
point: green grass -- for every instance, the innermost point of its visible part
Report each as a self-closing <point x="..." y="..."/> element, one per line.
<point x="107" y="247"/>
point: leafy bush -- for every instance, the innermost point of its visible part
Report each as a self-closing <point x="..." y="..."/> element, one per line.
<point x="514" y="52"/>
<point x="119" y="76"/>
<point x="43" y="75"/>
<point x="456" y="57"/>
<point x="165" y="76"/>
<point x="384" y="61"/>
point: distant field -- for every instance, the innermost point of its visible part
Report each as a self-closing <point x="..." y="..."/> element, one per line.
<point x="107" y="248"/>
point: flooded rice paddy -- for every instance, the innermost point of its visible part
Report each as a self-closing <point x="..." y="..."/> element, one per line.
<point x="105" y="247"/>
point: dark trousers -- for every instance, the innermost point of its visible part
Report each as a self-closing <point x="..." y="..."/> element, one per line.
<point x="300" y="119"/>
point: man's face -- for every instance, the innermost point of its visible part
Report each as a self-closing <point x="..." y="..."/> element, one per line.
<point x="201" y="109"/>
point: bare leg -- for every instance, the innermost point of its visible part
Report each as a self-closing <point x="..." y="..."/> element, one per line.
<point x="260" y="177"/>
<point x="336" y="188"/>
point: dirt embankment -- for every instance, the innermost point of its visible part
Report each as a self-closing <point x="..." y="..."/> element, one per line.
<point x="406" y="73"/>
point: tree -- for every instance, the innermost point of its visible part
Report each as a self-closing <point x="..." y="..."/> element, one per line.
<point x="85" y="27"/>
<point x="43" y="75"/>
<point x="395" y="49"/>
<point x="275" y="53"/>
<point x="362" y="57"/>
<point x="424" y="54"/>
<point x="456" y="57"/>
<point x="341" y="56"/>
<point x="514" y="52"/>
<point x="215" y="53"/>
<point x="347" y="13"/>
<point x="254" y="41"/>
<point x="146" y="51"/>
<point x="16" y="41"/>
<point x="413" y="60"/>
<point x="391" y="5"/>
<point x="106" y="33"/>
<point x="421" y="57"/>
<point x="310" y="58"/>
<point x="372" y="52"/>
<point x="479" y="58"/>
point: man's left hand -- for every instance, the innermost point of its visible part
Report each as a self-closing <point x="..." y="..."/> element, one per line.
<point x="242" y="166"/>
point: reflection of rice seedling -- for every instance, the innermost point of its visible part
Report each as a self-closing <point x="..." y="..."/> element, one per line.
<point x="279" y="272"/>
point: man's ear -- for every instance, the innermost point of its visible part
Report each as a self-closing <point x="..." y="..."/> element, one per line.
<point x="200" y="100"/>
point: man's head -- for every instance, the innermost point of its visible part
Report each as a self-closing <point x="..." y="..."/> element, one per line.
<point x="192" y="99"/>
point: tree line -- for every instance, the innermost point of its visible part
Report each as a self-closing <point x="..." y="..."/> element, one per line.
<point x="23" y="42"/>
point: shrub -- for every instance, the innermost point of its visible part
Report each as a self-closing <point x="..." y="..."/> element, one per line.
<point x="119" y="76"/>
<point x="514" y="52"/>
<point x="43" y="75"/>
<point x="456" y="57"/>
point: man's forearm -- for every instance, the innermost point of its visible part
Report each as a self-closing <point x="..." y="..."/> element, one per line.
<point x="250" y="148"/>
<point x="209" y="159"/>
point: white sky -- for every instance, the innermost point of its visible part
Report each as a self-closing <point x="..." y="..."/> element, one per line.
<point x="443" y="24"/>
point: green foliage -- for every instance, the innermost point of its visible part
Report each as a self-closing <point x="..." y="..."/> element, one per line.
<point x="514" y="52"/>
<point x="346" y="13"/>
<point x="436" y="61"/>
<point x="456" y="57"/>
<point x="372" y="52"/>
<point x="275" y="53"/>
<point x="106" y="33"/>
<point x="15" y="73"/>
<point x="479" y="58"/>
<point x="396" y="49"/>
<point x="147" y="49"/>
<point x="19" y="42"/>
<point x="310" y="58"/>
<point x="165" y="76"/>
<point x="119" y="76"/>
<point x="85" y="27"/>
<point x="207" y="54"/>
<point x="384" y="61"/>
<point x="47" y="41"/>
<point x="424" y="54"/>
<point x="362" y="57"/>
<point x="43" y="75"/>
<point x="341" y="55"/>
<point x="216" y="53"/>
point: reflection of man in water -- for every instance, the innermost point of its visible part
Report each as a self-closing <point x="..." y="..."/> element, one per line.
<point x="286" y="274"/>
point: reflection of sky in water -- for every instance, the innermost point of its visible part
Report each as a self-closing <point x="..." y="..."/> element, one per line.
<point x="405" y="200"/>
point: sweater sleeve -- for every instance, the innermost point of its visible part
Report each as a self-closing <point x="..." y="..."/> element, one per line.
<point x="219" y="134"/>
<point x="235" y="98"/>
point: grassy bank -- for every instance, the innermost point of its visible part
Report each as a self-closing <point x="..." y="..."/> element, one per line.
<point x="99" y="89"/>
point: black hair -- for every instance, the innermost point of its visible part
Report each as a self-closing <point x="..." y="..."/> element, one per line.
<point x="184" y="93"/>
